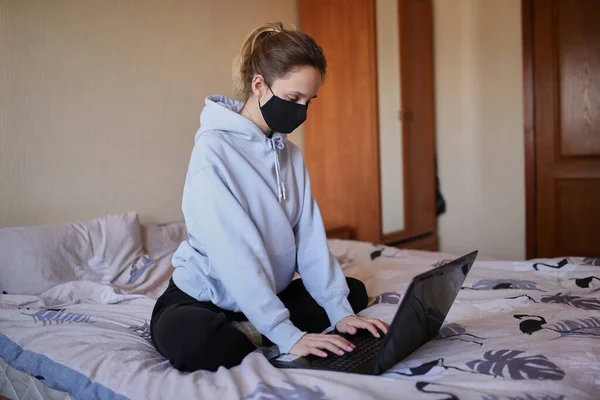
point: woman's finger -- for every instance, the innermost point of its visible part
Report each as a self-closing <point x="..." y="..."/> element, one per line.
<point x="380" y="324"/>
<point x="317" y="352"/>
<point x="339" y="342"/>
<point x="342" y="327"/>
<point x="366" y="324"/>
<point x="331" y="348"/>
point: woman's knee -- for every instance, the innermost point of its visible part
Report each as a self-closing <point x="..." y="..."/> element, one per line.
<point x="358" y="297"/>
<point x="181" y="337"/>
<point x="199" y="339"/>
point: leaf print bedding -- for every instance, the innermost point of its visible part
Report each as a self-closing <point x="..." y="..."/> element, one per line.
<point x="518" y="330"/>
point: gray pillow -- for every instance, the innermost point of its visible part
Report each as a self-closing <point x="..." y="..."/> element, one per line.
<point x="34" y="259"/>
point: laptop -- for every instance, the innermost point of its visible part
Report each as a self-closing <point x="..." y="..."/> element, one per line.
<point x="418" y="319"/>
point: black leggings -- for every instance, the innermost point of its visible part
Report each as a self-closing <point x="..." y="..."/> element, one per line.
<point x="197" y="335"/>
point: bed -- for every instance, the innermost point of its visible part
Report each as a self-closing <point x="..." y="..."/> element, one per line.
<point x="518" y="330"/>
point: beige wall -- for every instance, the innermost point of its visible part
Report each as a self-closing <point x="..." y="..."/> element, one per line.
<point x="479" y="117"/>
<point x="100" y="100"/>
<point x="99" y="104"/>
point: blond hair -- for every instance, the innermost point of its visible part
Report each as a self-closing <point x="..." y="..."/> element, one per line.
<point x="273" y="51"/>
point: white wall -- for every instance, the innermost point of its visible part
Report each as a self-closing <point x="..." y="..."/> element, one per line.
<point x="100" y="100"/>
<point x="390" y="128"/>
<point x="479" y="118"/>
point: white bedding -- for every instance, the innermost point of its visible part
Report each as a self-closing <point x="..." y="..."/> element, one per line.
<point x="514" y="333"/>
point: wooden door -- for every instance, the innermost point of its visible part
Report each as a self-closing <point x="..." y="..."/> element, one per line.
<point x="562" y="41"/>
<point x="341" y="139"/>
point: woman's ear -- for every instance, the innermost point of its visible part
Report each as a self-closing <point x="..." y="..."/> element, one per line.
<point x="259" y="86"/>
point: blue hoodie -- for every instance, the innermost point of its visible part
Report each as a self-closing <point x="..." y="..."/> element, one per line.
<point x="252" y="223"/>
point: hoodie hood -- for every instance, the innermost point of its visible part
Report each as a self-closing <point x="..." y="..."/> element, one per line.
<point x="223" y="114"/>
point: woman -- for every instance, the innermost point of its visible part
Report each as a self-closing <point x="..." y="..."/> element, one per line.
<point x="253" y="223"/>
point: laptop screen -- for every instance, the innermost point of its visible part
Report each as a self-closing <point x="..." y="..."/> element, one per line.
<point x="422" y="311"/>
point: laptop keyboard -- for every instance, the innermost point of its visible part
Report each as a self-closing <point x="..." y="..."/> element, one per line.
<point x="365" y="351"/>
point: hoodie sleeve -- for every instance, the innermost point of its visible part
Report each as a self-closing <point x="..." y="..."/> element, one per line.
<point x="238" y="256"/>
<point x="321" y="273"/>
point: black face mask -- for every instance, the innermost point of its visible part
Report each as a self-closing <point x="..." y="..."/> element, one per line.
<point x="281" y="115"/>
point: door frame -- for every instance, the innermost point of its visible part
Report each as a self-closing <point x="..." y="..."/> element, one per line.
<point x="531" y="236"/>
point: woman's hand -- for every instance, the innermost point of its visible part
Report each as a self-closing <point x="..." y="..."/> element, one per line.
<point x="313" y="343"/>
<point x="352" y="323"/>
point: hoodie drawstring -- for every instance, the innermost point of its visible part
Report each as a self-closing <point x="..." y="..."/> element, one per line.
<point x="277" y="143"/>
